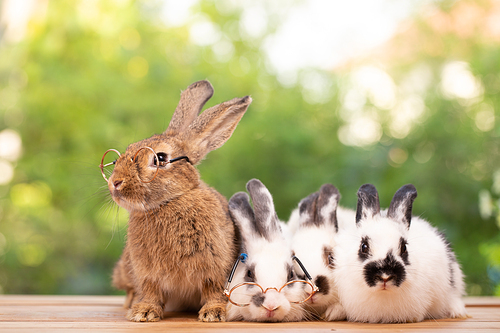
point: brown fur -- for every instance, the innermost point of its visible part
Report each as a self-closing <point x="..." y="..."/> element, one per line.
<point x="181" y="241"/>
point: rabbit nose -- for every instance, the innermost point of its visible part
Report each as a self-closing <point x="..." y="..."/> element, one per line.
<point x="385" y="278"/>
<point x="270" y="310"/>
<point x="117" y="183"/>
<point x="270" y="307"/>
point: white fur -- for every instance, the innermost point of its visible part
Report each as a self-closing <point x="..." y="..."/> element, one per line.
<point x="426" y="291"/>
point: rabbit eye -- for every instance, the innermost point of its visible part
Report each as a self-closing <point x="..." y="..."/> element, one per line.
<point x="331" y="261"/>
<point x="403" y="248"/>
<point x="290" y="275"/>
<point x="162" y="157"/>
<point x="250" y="275"/>
<point x="365" y="248"/>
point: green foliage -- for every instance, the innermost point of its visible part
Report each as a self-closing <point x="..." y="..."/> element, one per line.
<point x="85" y="80"/>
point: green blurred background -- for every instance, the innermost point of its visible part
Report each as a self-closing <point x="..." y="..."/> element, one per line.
<point x="85" y="76"/>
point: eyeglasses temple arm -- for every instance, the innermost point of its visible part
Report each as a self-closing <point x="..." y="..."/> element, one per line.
<point x="315" y="288"/>
<point x="242" y="257"/>
<point x="302" y="267"/>
<point x="180" y="158"/>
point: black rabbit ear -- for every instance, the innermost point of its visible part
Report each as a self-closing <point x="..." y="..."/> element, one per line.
<point x="242" y="214"/>
<point x="368" y="202"/>
<point x="266" y="220"/>
<point x="402" y="204"/>
<point x="307" y="209"/>
<point x="326" y="208"/>
<point x="320" y="207"/>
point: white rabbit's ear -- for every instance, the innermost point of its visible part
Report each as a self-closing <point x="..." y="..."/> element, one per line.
<point x="242" y="214"/>
<point x="402" y="204"/>
<point x="266" y="220"/>
<point x="213" y="127"/>
<point x="326" y="207"/>
<point x="190" y="105"/>
<point x="320" y="208"/>
<point x="307" y="209"/>
<point x="368" y="202"/>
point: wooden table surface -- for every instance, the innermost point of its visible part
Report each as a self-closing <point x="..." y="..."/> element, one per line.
<point x="37" y="313"/>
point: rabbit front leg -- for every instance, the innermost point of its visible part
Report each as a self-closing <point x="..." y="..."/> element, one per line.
<point x="214" y="308"/>
<point x="149" y="303"/>
<point x="335" y="312"/>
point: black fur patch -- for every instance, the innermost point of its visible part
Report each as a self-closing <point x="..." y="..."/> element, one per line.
<point x="364" y="248"/>
<point x="374" y="270"/>
<point x="403" y="251"/>
<point x="322" y="283"/>
<point x="258" y="299"/>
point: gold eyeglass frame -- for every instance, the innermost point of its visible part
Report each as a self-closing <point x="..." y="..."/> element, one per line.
<point x="242" y="258"/>
<point x="134" y="160"/>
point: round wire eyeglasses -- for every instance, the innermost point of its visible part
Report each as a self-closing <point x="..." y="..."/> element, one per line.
<point x="159" y="160"/>
<point x="296" y="291"/>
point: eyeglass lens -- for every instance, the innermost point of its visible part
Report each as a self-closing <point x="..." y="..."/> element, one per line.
<point x="141" y="158"/>
<point x="108" y="162"/>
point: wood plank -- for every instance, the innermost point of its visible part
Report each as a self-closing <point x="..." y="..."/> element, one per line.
<point x="23" y="313"/>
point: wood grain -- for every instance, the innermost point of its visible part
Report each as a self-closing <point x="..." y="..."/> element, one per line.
<point x="38" y="313"/>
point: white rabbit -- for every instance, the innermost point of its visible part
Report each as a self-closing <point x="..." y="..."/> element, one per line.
<point x="394" y="267"/>
<point x="315" y="226"/>
<point x="267" y="266"/>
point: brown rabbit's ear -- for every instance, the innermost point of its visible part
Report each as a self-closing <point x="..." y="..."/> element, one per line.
<point x="214" y="127"/>
<point x="190" y="105"/>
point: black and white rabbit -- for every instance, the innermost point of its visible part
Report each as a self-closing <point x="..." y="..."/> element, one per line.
<point x="267" y="262"/>
<point x="395" y="267"/>
<point x="315" y="226"/>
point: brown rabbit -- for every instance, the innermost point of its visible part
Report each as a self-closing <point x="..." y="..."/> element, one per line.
<point x="181" y="241"/>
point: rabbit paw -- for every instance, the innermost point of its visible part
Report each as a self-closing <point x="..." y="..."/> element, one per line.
<point x="335" y="312"/>
<point x="212" y="313"/>
<point x="458" y="310"/>
<point x="145" y="312"/>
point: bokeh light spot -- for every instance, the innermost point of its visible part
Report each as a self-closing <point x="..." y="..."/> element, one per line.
<point x="138" y="67"/>
<point x="130" y="39"/>
<point x="31" y="255"/>
<point x="10" y="145"/>
<point x="35" y="195"/>
<point x="397" y="156"/>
